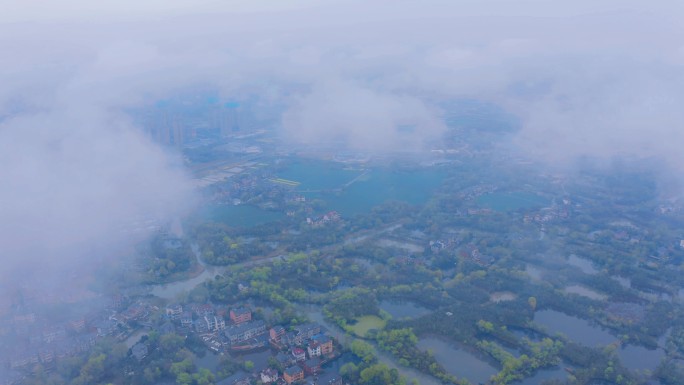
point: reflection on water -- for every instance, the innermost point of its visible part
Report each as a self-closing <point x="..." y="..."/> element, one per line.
<point x="526" y="333"/>
<point x="240" y="215"/>
<point x="403" y="309"/>
<point x="258" y="358"/>
<point x="638" y="357"/>
<point x="458" y="362"/>
<point x="534" y="272"/>
<point x="502" y="296"/>
<point x="315" y="315"/>
<point x="171" y="290"/>
<point x="624" y="282"/>
<point x="209" y="361"/>
<point x="358" y="191"/>
<point x="574" y="328"/>
<point x="586" y="292"/>
<point x="557" y="373"/>
<point x="583" y="264"/>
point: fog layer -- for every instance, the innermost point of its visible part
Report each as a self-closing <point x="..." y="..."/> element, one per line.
<point x="587" y="78"/>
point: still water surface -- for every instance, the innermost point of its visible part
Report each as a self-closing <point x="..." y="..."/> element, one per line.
<point x="574" y="328"/>
<point x="457" y="361"/>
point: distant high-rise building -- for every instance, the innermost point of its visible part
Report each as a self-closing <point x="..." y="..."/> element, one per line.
<point x="165" y="126"/>
<point x="229" y="119"/>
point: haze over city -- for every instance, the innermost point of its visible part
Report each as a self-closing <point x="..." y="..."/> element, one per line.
<point x="143" y="144"/>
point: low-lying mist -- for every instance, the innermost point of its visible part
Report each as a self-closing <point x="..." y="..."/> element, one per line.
<point x="586" y="79"/>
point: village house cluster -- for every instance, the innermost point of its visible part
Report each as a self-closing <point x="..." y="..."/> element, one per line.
<point x="40" y="339"/>
<point x="300" y="352"/>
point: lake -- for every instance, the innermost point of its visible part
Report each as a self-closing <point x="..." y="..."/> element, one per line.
<point x="318" y="175"/>
<point x="240" y="215"/>
<point x="509" y="201"/>
<point x="457" y="361"/>
<point x="348" y="191"/>
<point x="403" y="309"/>
<point x="574" y="328"/>
<point x="370" y="188"/>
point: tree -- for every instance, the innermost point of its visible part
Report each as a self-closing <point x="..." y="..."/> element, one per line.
<point x="92" y="371"/>
<point x="184" y="379"/>
<point x="363" y="350"/>
<point x="350" y="371"/>
<point x="203" y="377"/>
<point x="151" y="375"/>
<point x="184" y="366"/>
<point x="171" y="343"/>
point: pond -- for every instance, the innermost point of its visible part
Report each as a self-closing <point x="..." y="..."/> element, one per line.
<point x="574" y="328"/>
<point x="314" y="314"/>
<point x="557" y="373"/>
<point x="258" y="358"/>
<point x="510" y="201"/>
<point x="639" y="358"/>
<point x="209" y="361"/>
<point x="457" y="361"/>
<point x="336" y="365"/>
<point x="403" y="309"/>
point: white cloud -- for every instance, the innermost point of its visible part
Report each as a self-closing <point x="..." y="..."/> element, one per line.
<point x="361" y="118"/>
<point x="587" y="78"/>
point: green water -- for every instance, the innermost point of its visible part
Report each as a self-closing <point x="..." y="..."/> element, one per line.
<point x="241" y="216"/>
<point x="509" y="201"/>
<point x="457" y="361"/>
<point x="328" y="181"/>
<point x="318" y="175"/>
<point x="380" y="186"/>
<point x="576" y="329"/>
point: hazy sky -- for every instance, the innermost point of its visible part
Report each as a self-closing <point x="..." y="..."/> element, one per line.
<point x="596" y="78"/>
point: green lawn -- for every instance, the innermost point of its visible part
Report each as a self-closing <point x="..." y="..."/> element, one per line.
<point x="366" y="323"/>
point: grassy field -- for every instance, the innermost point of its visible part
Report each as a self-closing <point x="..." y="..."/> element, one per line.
<point x="366" y="323"/>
